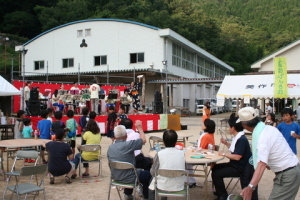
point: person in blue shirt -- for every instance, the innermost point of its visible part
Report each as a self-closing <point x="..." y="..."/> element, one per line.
<point x="44" y="128"/>
<point x="289" y="129"/>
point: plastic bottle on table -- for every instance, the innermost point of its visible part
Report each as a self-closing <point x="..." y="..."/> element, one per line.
<point x="36" y="134"/>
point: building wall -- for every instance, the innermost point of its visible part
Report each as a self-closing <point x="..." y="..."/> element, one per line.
<point x="293" y="60"/>
<point x="114" y="39"/>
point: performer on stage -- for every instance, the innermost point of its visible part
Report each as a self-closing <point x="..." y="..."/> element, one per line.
<point x="125" y="101"/>
<point x="27" y="95"/>
<point x="55" y="100"/>
<point x="134" y="92"/>
<point x="109" y="102"/>
<point x="74" y="91"/>
<point x="75" y="88"/>
<point x="94" y="90"/>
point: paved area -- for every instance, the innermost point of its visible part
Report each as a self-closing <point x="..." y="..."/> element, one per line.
<point x="99" y="190"/>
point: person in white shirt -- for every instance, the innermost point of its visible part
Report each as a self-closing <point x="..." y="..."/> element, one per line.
<point x="258" y="111"/>
<point x="141" y="161"/>
<point x="169" y="158"/>
<point x="94" y="90"/>
<point x="269" y="109"/>
<point x="270" y="151"/>
<point x="27" y="95"/>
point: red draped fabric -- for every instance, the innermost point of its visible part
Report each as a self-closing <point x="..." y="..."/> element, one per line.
<point x="153" y="119"/>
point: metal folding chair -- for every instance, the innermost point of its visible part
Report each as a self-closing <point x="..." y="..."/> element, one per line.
<point x="20" y="156"/>
<point x="123" y="166"/>
<point x="91" y="148"/>
<point x="171" y="173"/>
<point x="29" y="187"/>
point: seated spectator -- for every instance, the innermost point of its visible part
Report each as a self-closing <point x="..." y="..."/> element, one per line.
<point x="140" y="160"/>
<point x="207" y="137"/>
<point x="123" y="151"/>
<point x="91" y="136"/>
<point x="58" y="164"/>
<point x="238" y="158"/>
<point x="164" y="159"/>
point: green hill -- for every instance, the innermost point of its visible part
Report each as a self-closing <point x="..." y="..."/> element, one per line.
<point x="239" y="32"/>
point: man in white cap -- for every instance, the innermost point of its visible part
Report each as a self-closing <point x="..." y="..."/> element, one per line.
<point x="270" y="150"/>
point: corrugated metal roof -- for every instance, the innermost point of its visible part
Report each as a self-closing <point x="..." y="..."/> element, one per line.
<point x="189" y="80"/>
<point x="91" y="20"/>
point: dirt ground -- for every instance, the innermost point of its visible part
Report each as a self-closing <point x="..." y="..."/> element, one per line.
<point x="99" y="190"/>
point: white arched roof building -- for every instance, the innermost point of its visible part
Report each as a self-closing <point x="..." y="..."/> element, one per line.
<point x="122" y="47"/>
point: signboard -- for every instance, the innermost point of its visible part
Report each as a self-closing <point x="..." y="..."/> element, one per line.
<point x="220" y="100"/>
<point x="280" y="73"/>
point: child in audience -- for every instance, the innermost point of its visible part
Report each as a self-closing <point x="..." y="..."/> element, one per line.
<point x="111" y="122"/>
<point x="122" y="114"/>
<point x="58" y="124"/>
<point x="44" y="128"/>
<point x="27" y="132"/>
<point x="289" y="129"/>
<point x="50" y="113"/>
<point x="92" y="115"/>
<point x="83" y="121"/>
<point x="71" y="127"/>
<point x="19" y="124"/>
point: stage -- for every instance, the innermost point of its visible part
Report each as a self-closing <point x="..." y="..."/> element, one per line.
<point x="150" y="122"/>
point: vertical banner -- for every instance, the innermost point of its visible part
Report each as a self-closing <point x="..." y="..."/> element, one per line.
<point x="246" y="98"/>
<point x="220" y="100"/>
<point x="280" y="69"/>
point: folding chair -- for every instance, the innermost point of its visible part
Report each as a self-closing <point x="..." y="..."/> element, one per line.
<point x="123" y="166"/>
<point x="19" y="157"/>
<point x="91" y="148"/>
<point x="153" y="140"/>
<point x="237" y="181"/>
<point x="26" y="188"/>
<point x="171" y="173"/>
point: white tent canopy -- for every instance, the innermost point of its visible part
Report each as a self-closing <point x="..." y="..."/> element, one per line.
<point x="7" y="89"/>
<point x="257" y="86"/>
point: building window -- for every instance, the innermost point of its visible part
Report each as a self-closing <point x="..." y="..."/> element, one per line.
<point x="68" y="62"/>
<point x="79" y="33"/>
<point x="100" y="60"/>
<point x="88" y="32"/>
<point x="186" y="103"/>
<point x="38" y="65"/>
<point x="136" y="57"/>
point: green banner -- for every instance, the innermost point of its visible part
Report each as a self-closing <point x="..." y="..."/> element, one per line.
<point x="280" y="69"/>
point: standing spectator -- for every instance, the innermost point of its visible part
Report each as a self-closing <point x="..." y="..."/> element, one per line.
<point x="258" y="112"/>
<point x="270" y="150"/>
<point x="94" y="90"/>
<point x="122" y="114"/>
<point x="123" y="151"/>
<point x="206" y="111"/>
<point x="269" y="109"/>
<point x="289" y="129"/>
<point x="44" y="128"/>
<point x="19" y="124"/>
<point x="58" y="164"/>
<point x="71" y="127"/>
<point x="58" y="124"/>
<point x="50" y="114"/>
<point x="27" y="131"/>
<point x="298" y="114"/>
<point x="111" y="122"/>
<point x="83" y="122"/>
<point x="165" y="160"/>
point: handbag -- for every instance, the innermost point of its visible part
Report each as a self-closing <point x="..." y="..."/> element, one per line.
<point x="72" y="133"/>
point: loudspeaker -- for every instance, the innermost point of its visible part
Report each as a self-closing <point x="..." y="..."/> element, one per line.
<point x="158" y="107"/>
<point x="34" y="108"/>
<point x="157" y="96"/>
<point x="34" y="95"/>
